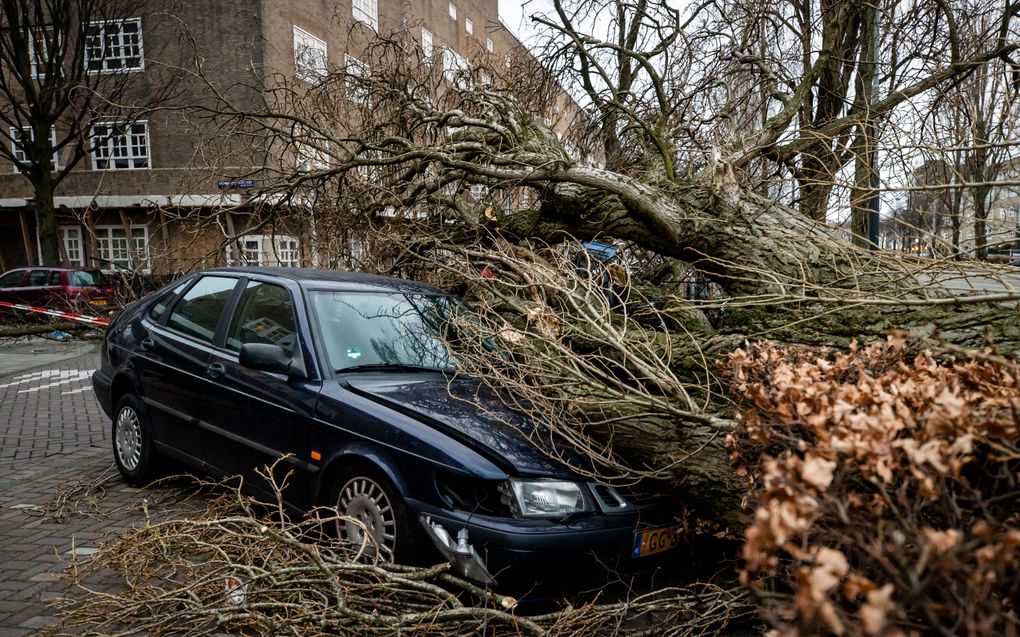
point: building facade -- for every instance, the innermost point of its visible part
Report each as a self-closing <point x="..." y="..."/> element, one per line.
<point x="135" y="201"/>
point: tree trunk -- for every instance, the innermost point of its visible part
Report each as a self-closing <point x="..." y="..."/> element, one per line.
<point x="46" y="218"/>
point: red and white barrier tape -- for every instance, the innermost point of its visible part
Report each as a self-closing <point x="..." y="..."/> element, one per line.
<point x="81" y="318"/>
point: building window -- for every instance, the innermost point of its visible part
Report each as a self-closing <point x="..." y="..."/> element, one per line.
<point x="469" y="26"/>
<point x="38" y="51"/>
<point x="355" y="86"/>
<point x="455" y="68"/>
<point x="287" y="251"/>
<point x="366" y="11"/>
<point x="72" y="244"/>
<point x="264" y="250"/>
<point x="488" y="45"/>
<point x="1011" y="213"/>
<point x="478" y="191"/>
<point x="486" y="79"/>
<point x="426" y="44"/>
<point x="119" y="146"/>
<point x="117" y="251"/>
<point x="311" y="150"/>
<point x="309" y="56"/>
<point x="21" y="160"/>
<point x="114" y="46"/>
<point x="453" y="11"/>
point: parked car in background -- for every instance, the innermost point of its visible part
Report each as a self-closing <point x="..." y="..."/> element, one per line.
<point x="347" y="379"/>
<point x="51" y="286"/>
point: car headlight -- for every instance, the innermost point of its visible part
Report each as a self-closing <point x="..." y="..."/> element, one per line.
<point x="546" y="498"/>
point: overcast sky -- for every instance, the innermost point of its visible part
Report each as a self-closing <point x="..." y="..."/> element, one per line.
<point x="514" y="14"/>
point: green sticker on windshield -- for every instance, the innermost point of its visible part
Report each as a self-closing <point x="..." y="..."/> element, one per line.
<point x="353" y="352"/>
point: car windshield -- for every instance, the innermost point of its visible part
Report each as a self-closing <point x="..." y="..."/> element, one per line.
<point x="384" y="329"/>
<point x="85" y="278"/>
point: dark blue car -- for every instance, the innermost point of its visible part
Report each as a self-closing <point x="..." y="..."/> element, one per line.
<point x="346" y="377"/>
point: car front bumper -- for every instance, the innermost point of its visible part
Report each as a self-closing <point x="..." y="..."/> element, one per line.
<point x="525" y="545"/>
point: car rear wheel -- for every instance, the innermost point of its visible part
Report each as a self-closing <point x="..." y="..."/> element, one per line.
<point x="373" y="506"/>
<point x="132" y="441"/>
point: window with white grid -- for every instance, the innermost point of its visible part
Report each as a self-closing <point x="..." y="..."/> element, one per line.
<point x="18" y="149"/>
<point x="120" y="146"/>
<point x="309" y="56"/>
<point x="478" y="191"/>
<point x="287" y="251"/>
<point x="311" y="150"/>
<point x="366" y="11"/>
<point x="117" y="250"/>
<point x="354" y="86"/>
<point x="488" y="45"/>
<point x="71" y="236"/>
<point x="426" y="44"/>
<point x="38" y="50"/>
<point x="455" y="68"/>
<point x="453" y="11"/>
<point x="469" y="26"/>
<point x="114" y="46"/>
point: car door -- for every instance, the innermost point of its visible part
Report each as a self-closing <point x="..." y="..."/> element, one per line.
<point x="171" y="361"/>
<point x="37" y="289"/>
<point x="259" y="417"/>
<point x="10" y="284"/>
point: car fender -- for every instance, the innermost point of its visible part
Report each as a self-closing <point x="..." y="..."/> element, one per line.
<point x="360" y="451"/>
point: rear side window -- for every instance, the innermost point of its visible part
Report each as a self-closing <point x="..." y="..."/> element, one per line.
<point x="87" y="278"/>
<point x="55" y="277"/>
<point x="198" y="311"/>
<point x="12" y="279"/>
<point x="39" y="278"/>
<point x="156" y="311"/>
<point x="265" y="314"/>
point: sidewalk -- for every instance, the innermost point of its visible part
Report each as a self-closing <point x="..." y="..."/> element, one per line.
<point x="60" y="494"/>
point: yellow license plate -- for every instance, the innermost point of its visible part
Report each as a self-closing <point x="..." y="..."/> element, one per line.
<point x="98" y="301"/>
<point x="654" y="541"/>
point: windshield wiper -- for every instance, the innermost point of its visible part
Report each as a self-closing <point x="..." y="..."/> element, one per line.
<point x="397" y="367"/>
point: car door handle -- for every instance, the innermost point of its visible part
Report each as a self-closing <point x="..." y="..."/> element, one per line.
<point x="146" y="344"/>
<point x="215" y="370"/>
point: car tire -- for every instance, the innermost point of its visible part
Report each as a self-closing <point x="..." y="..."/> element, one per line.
<point x="364" y="493"/>
<point x="132" y="441"/>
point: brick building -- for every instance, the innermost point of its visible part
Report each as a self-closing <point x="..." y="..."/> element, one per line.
<point x="132" y="202"/>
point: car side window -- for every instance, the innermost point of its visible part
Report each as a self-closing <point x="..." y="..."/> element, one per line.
<point x="157" y="309"/>
<point x="55" y="277"/>
<point x="198" y="312"/>
<point x="38" y="278"/>
<point x="12" y="279"/>
<point x="265" y="314"/>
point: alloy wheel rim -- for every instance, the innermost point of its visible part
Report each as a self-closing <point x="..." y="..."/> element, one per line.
<point x="362" y="499"/>
<point x="129" y="439"/>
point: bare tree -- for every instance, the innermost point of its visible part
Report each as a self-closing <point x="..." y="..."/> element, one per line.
<point x="66" y="65"/>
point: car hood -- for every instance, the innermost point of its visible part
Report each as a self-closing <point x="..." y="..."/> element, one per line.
<point x="470" y="412"/>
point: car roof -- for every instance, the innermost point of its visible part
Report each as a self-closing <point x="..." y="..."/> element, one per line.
<point x="315" y="278"/>
<point x="58" y="268"/>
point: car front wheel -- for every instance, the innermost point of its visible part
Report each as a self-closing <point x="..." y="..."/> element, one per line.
<point x="132" y="441"/>
<point x="371" y="505"/>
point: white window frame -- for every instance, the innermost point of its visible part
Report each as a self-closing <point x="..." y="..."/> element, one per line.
<point x="107" y="57"/>
<point x="69" y="234"/>
<point x="105" y="247"/>
<point x="427" y="47"/>
<point x="21" y="158"/>
<point x="489" y="45"/>
<point x="355" y="68"/>
<point x="108" y="141"/>
<point x="311" y="150"/>
<point x="479" y="191"/>
<point x="453" y="11"/>
<point x="455" y="66"/>
<point x="469" y="26"/>
<point x="310" y="55"/>
<point x="366" y="11"/>
<point x="39" y="65"/>
<point x="265" y="249"/>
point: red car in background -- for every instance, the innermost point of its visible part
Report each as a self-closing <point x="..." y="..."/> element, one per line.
<point x="57" y="287"/>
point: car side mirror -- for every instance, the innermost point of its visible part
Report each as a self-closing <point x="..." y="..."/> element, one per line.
<point x="267" y="357"/>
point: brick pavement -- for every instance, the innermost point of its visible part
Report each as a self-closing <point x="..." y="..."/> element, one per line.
<point x="58" y="487"/>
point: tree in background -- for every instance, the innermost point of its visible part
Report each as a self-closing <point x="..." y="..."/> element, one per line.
<point x="66" y="66"/>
